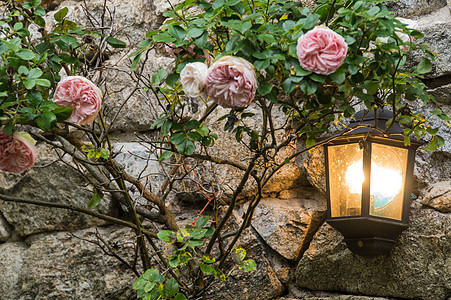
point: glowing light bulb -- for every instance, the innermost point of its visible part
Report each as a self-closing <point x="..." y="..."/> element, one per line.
<point x="385" y="183"/>
<point x="355" y="178"/>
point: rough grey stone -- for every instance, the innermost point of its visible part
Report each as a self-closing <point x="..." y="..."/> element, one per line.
<point x="313" y="166"/>
<point x="259" y="284"/>
<point x="432" y="167"/>
<point x="52" y="181"/>
<point x="140" y="163"/>
<point x="5" y="229"/>
<point x="438" y="36"/>
<point x="62" y="266"/>
<point x="410" y="8"/>
<point x="287" y="226"/>
<point x="418" y="267"/>
<point x="11" y="261"/>
<point x="442" y="95"/>
<point x="439" y="197"/>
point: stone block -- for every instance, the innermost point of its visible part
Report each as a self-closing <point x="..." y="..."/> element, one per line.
<point x="287" y="226"/>
<point x="50" y="180"/>
<point x="418" y="267"/>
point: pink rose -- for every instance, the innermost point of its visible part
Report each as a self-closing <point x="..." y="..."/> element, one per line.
<point x="17" y="152"/>
<point x="321" y="50"/>
<point x="231" y="82"/>
<point x="80" y="94"/>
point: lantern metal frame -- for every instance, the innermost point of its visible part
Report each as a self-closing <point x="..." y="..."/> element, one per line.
<point x="366" y="234"/>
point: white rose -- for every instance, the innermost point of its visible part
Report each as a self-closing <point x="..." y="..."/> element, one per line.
<point x="193" y="77"/>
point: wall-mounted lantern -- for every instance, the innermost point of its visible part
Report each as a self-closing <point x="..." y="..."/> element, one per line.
<point x="369" y="178"/>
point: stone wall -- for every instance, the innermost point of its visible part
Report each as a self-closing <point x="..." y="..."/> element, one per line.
<point x="53" y="254"/>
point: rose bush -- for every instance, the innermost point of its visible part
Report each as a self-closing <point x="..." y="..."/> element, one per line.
<point x="80" y="94"/>
<point x="231" y="82"/>
<point x="17" y="152"/>
<point x="321" y="50"/>
<point x="405" y="38"/>
<point x="193" y="78"/>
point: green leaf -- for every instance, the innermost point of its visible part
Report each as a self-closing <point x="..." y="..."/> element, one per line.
<point x="186" y="147"/>
<point x="266" y="37"/>
<point x="34" y="98"/>
<point x="203" y="130"/>
<point x="29" y="83"/>
<point x="301" y="71"/>
<point x="191" y="124"/>
<point x="166" y="155"/>
<point x="152" y="275"/>
<point x="95" y="200"/>
<point x="40" y="12"/>
<point x="425" y="66"/>
<point x="22" y="70"/>
<point x="115" y="43"/>
<point x="310" y="22"/>
<point x="43" y="82"/>
<point x="201" y="41"/>
<point x="202" y="221"/>
<point x="309" y="87"/>
<point x="59" y="16"/>
<point x="182" y="235"/>
<point x="180" y="297"/>
<point x="159" y="76"/>
<point x="171" y="288"/>
<point x="104" y="153"/>
<point x="232" y="2"/>
<point x="171" y="80"/>
<point x="178" y="32"/>
<point x="139" y="283"/>
<point x="46" y="120"/>
<point x="194" y="32"/>
<point x="217" y="4"/>
<point x="207" y="269"/>
<point x="165" y="235"/>
<point x="199" y="233"/>
<point x="262" y="64"/>
<point x="34" y="73"/>
<point x="149" y="286"/>
<point x="18" y="26"/>
<point x="288" y="85"/>
<point x="265" y="89"/>
<point x="238" y="25"/>
<point x="208" y="259"/>
<point x="135" y="61"/>
<point x="373" y="10"/>
<point x="25" y="54"/>
<point x="174" y="263"/>
<point x="8" y="129"/>
<point x="238" y="255"/>
<point x="338" y="76"/>
<point x="164" y="38"/>
<point x="62" y="113"/>
<point x="248" y="265"/>
<point x="195" y="136"/>
<point x="372" y="87"/>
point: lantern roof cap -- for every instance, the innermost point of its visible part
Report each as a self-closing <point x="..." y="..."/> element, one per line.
<point x="378" y="120"/>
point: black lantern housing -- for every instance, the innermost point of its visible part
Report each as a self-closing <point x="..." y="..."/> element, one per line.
<point x="369" y="180"/>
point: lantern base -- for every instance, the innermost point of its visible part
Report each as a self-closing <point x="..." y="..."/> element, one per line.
<point x="368" y="236"/>
<point x="370" y="246"/>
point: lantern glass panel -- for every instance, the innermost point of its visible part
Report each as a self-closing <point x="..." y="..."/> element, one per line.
<point x="388" y="173"/>
<point x="345" y="179"/>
